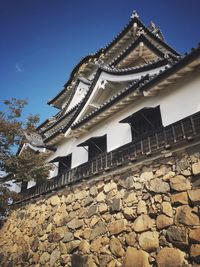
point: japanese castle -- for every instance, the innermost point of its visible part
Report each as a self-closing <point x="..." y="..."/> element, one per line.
<point x="135" y="98"/>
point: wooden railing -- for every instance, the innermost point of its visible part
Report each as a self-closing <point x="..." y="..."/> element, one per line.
<point x="176" y="133"/>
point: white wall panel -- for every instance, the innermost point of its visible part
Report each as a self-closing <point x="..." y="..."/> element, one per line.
<point x="176" y="102"/>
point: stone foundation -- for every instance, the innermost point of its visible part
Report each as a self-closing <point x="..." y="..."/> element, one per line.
<point x="145" y="216"/>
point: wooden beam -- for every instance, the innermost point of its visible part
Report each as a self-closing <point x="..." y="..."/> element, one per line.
<point x="137" y="93"/>
<point x="83" y="129"/>
<point x="134" y="29"/>
<point x="94" y="105"/>
<point x="149" y="93"/>
<point x="141" y="48"/>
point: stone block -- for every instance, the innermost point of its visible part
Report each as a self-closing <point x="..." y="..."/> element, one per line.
<point x="169" y="175"/>
<point x="93" y="191"/>
<point x="44" y="258"/>
<point x="88" y="200"/>
<point x="141" y="207"/>
<point x="179" y="198"/>
<point x="149" y="241"/>
<point x="127" y="183"/>
<point x="116" y="247"/>
<point x="79" y="261"/>
<point x="84" y="247"/>
<point x="136" y="258"/>
<point x="129" y="213"/>
<point x="146" y="176"/>
<point x="81" y="195"/>
<point x="143" y="223"/>
<point x="92" y="210"/>
<point x="196" y="168"/>
<point x="116" y="205"/>
<point x="163" y="221"/>
<point x="186" y="215"/>
<point x="117" y="227"/>
<point x="195" y="252"/>
<point x="55" y="200"/>
<point x="157" y="185"/>
<point x="109" y="186"/>
<point x="104" y="260"/>
<point x="101" y="197"/>
<point x="130" y="239"/>
<point x="180" y="183"/>
<point x="99" y="229"/>
<point x="167" y="209"/>
<point x="68" y="248"/>
<point x="170" y="257"/>
<point x="67" y="237"/>
<point x="194" y="235"/>
<point x="163" y="170"/>
<point x="102" y="208"/>
<point x="55" y="256"/>
<point x="131" y="198"/>
<point x="177" y="235"/>
<point x="75" y="224"/>
<point x="194" y="196"/>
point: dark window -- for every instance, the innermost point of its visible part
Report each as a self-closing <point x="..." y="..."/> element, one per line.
<point x="144" y="122"/>
<point x="95" y="146"/>
<point x="24" y="186"/>
<point x="64" y="164"/>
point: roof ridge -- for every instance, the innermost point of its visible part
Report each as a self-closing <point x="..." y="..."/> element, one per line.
<point x="134" y="18"/>
<point x="133" y="44"/>
<point x="107" y="68"/>
<point x="61" y="118"/>
<point x="144" y="82"/>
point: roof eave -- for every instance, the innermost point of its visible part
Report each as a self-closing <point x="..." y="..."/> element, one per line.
<point x="147" y="85"/>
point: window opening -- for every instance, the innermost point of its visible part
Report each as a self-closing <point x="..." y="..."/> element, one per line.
<point x="64" y="163"/>
<point x="96" y="146"/>
<point x="144" y="122"/>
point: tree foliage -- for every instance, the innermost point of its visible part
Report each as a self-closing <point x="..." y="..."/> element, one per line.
<point x="10" y="126"/>
<point x="6" y="198"/>
<point x="26" y="166"/>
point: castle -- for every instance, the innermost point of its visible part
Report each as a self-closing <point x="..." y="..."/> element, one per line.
<point x="125" y="145"/>
<point x="133" y="98"/>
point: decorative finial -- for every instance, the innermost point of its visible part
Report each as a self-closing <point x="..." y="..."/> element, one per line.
<point x="134" y="14"/>
<point x="155" y="30"/>
<point x="152" y="25"/>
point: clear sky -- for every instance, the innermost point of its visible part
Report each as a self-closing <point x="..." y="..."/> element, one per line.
<point x="42" y="40"/>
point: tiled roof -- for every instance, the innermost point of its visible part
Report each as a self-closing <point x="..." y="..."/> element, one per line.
<point x="143" y="84"/>
<point x="138" y="69"/>
<point x="104" y="50"/>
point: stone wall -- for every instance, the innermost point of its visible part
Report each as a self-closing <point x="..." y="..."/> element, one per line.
<point x="144" y="216"/>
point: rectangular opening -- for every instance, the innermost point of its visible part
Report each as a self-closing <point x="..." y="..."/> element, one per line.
<point x="95" y="146"/>
<point x="144" y="122"/>
<point x="64" y="164"/>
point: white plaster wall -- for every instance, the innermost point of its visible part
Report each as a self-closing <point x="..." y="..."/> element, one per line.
<point x="54" y="171"/>
<point x="69" y="146"/>
<point x="16" y="187"/>
<point x="31" y="184"/>
<point x="117" y="133"/>
<point x="182" y="100"/>
<point x="115" y="78"/>
<point x="78" y="96"/>
<point x="176" y="102"/>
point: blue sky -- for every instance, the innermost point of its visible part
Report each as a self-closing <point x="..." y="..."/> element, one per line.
<point x="42" y="40"/>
